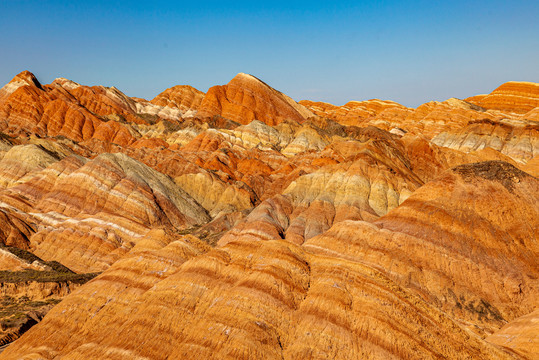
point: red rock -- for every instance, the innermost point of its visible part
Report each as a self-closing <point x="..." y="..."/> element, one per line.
<point x="246" y="98"/>
<point x="369" y="230"/>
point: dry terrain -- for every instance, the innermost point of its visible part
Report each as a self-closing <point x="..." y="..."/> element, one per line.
<point x="241" y="224"/>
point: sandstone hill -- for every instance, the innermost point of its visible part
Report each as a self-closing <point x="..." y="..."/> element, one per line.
<point x="241" y="224"/>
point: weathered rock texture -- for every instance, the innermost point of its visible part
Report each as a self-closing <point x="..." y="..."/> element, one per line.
<point x="183" y="97"/>
<point x="241" y="224"/>
<point x="90" y="213"/>
<point x="520" y="335"/>
<point x="517" y="139"/>
<point x="514" y="97"/>
<point x="246" y="98"/>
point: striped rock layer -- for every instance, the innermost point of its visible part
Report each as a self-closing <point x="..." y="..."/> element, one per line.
<point x="240" y="224"/>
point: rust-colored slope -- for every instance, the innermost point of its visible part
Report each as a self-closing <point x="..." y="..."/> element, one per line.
<point x="427" y="120"/>
<point x="183" y="97"/>
<point x="65" y="108"/>
<point x="14" y="230"/>
<point x="466" y="242"/>
<point x="90" y="213"/>
<point x="333" y="240"/>
<point x="513" y="97"/>
<point x="520" y="335"/>
<point x="51" y="110"/>
<point x="247" y="300"/>
<point x="353" y="112"/>
<point x="357" y="180"/>
<point x="246" y="98"/>
<point x="156" y="256"/>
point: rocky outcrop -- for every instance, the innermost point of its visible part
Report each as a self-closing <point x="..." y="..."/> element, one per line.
<point x="92" y="212"/>
<point x="520" y="335"/>
<point x="427" y="120"/>
<point x="37" y="290"/>
<point x="354" y="112"/>
<point x="485" y="274"/>
<point x="22" y="160"/>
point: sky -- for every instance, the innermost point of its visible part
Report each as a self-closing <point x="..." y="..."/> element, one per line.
<point x="407" y="51"/>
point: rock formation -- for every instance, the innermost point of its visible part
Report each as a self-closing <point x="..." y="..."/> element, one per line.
<point x="246" y="98"/>
<point x="91" y="212"/>
<point x="241" y="224"/>
<point x="514" y="97"/>
<point x="515" y="138"/>
<point x="183" y="97"/>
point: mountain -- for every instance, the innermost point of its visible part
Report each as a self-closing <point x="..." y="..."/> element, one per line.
<point x="246" y="98"/>
<point x="239" y="223"/>
<point x="517" y="97"/>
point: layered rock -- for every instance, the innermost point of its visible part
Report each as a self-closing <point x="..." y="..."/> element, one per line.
<point x="78" y="112"/>
<point x="483" y="274"/>
<point x="357" y="180"/>
<point x="29" y="288"/>
<point x="14" y="229"/>
<point x="247" y="300"/>
<point x="353" y="112"/>
<point x="520" y="335"/>
<point x="513" y="97"/>
<point x="427" y="120"/>
<point x="246" y="98"/>
<point x="362" y="231"/>
<point x="514" y="138"/>
<point x="22" y="160"/>
<point x="183" y="97"/>
<point x="90" y="213"/>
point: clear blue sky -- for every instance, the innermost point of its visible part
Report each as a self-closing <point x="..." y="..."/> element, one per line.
<point x="407" y="51"/>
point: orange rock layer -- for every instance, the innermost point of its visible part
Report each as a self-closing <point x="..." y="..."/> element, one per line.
<point x="241" y="224"/>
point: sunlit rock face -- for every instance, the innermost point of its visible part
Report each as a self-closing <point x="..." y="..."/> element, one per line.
<point x="246" y="98"/>
<point x="435" y="220"/>
<point x="183" y="97"/>
<point x="517" y="97"/>
<point x="519" y="335"/>
<point x="515" y="138"/>
<point x="91" y="212"/>
<point x="241" y="224"/>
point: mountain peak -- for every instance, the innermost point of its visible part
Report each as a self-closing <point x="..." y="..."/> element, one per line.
<point x="27" y="78"/>
<point x="246" y="98"/>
